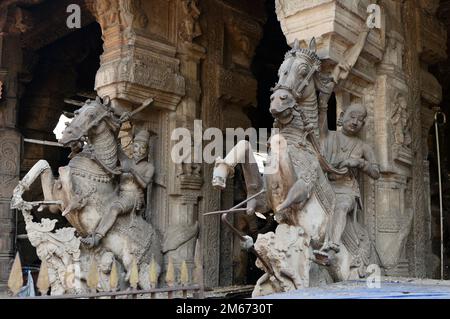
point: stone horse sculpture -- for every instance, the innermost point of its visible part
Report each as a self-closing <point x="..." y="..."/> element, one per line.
<point x="296" y="186"/>
<point x="88" y="183"/>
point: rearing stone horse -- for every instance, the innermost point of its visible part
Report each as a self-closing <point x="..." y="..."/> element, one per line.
<point x="88" y="184"/>
<point x="296" y="186"/>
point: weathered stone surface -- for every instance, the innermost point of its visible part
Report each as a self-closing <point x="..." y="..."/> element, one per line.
<point x="194" y="58"/>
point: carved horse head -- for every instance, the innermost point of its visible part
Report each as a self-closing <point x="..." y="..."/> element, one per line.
<point x="90" y="119"/>
<point x="298" y="80"/>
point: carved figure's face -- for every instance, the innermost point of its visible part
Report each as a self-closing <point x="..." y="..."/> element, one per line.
<point x="106" y="262"/>
<point x="403" y="103"/>
<point x="140" y="150"/>
<point x="354" y="119"/>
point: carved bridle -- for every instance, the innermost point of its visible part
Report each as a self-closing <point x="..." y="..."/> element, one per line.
<point x="107" y="113"/>
<point x="297" y="92"/>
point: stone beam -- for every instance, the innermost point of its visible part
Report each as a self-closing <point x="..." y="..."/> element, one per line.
<point x="135" y="64"/>
<point x="335" y="24"/>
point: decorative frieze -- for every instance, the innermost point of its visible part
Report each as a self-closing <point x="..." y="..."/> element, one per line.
<point x="135" y="64"/>
<point x="189" y="27"/>
<point x="10" y="143"/>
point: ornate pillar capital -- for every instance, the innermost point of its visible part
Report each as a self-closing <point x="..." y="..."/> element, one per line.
<point x="336" y="26"/>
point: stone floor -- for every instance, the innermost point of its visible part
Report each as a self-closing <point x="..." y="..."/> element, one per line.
<point x="390" y="288"/>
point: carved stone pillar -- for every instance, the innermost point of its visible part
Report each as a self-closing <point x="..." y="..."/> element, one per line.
<point x="424" y="38"/>
<point x="185" y="192"/>
<point x="393" y="136"/>
<point x="139" y="53"/>
<point x="140" y="61"/>
<point x="233" y="32"/>
<point x="10" y="145"/>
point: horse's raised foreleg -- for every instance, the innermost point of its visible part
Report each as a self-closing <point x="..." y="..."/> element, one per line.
<point x="48" y="183"/>
<point x="285" y="188"/>
<point x="298" y="194"/>
<point x="242" y="154"/>
<point x="42" y="169"/>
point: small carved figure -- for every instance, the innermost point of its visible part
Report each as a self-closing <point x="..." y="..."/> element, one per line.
<point x="400" y="122"/>
<point x="345" y="149"/>
<point x="137" y="174"/>
<point x="60" y="249"/>
<point x="191" y="26"/>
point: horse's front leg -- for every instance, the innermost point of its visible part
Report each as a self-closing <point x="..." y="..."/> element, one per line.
<point x="242" y="154"/>
<point x="287" y="188"/>
<point x="42" y="169"/>
<point x="224" y="168"/>
<point x="298" y="194"/>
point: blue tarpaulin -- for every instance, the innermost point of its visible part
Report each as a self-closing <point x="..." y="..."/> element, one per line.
<point x="414" y="289"/>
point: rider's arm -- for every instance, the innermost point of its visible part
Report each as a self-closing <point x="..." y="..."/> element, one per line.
<point x="143" y="181"/>
<point x="323" y="118"/>
<point x="139" y="179"/>
<point x="370" y="166"/>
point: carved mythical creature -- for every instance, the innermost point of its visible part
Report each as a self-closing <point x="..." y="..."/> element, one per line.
<point x="88" y="184"/>
<point x="61" y="251"/>
<point x="296" y="185"/>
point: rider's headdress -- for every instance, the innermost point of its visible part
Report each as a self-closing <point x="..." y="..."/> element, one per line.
<point x="142" y="136"/>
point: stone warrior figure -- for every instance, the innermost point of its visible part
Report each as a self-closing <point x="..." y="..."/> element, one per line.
<point x="345" y="149"/>
<point x="137" y="174"/>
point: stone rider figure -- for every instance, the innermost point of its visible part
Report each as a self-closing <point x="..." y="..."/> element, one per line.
<point x="137" y="174"/>
<point x="345" y="149"/>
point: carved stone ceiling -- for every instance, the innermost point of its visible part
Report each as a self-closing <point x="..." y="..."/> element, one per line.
<point x="44" y="21"/>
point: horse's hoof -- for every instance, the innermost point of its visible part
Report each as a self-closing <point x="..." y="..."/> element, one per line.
<point x="281" y="207"/>
<point x="322" y="258"/>
<point x="87" y="242"/>
<point x="219" y="182"/>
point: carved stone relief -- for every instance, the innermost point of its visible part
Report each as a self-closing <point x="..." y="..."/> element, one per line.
<point x="10" y="142"/>
<point x="401" y="129"/>
<point x="189" y="27"/>
<point x="393" y="54"/>
<point x="60" y="249"/>
<point x="393" y="220"/>
<point x="124" y="13"/>
<point x="149" y="51"/>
